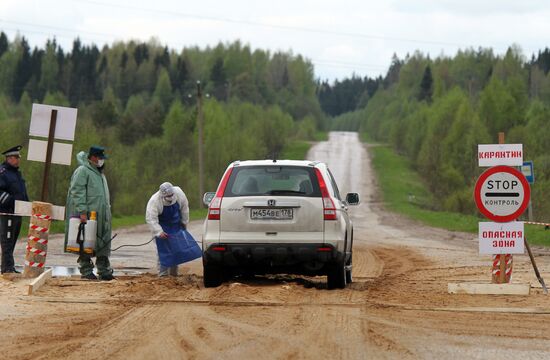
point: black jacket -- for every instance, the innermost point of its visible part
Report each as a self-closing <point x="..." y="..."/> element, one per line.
<point x="12" y="187"/>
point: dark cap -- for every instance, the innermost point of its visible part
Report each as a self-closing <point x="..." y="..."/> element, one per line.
<point x="98" y="151"/>
<point x="14" y="151"/>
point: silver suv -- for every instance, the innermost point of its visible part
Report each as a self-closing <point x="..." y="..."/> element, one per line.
<point x="278" y="216"/>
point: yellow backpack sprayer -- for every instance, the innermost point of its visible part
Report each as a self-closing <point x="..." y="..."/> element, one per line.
<point x="82" y="236"/>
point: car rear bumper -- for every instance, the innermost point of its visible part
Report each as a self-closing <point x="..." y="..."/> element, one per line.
<point x="270" y="255"/>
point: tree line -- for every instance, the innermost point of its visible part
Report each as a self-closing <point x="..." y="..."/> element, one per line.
<point x="346" y="95"/>
<point x="139" y="100"/>
<point x="436" y="112"/>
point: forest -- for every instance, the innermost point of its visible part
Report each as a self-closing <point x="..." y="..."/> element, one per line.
<point x="436" y="111"/>
<point x="139" y="100"/>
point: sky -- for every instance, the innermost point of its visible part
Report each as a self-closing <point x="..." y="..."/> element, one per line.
<point x="340" y="38"/>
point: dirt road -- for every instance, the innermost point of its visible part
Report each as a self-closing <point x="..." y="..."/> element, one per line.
<point x="397" y="306"/>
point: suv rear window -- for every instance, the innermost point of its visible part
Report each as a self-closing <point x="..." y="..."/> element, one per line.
<point x="272" y="180"/>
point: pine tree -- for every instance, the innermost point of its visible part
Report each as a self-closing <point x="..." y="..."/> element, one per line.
<point x="163" y="90"/>
<point x="23" y="71"/>
<point x="392" y="76"/>
<point x="141" y="53"/>
<point x="426" y="86"/>
<point x="181" y="74"/>
<point x="163" y="59"/>
<point x="4" y="44"/>
<point x="49" y="69"/>
<point x="217" y="75"/>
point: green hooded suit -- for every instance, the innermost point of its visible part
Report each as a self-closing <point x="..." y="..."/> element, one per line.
<point x="89" y="192"/>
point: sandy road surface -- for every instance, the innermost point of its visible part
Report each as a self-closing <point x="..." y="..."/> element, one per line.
<point x="397" y="306"/>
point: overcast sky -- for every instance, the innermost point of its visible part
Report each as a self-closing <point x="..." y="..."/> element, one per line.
<point x="339" y="37"/>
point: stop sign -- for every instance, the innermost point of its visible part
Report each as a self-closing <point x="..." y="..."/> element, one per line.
<point x="502" y="193"/>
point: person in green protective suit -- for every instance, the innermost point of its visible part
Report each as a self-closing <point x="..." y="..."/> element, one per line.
<point x="89" y="192"/>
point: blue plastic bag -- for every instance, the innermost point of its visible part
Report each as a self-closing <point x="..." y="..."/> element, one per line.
<point x="178" y="248"/>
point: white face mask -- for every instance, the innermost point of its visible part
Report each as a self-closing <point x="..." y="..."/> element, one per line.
<point x="100" y="162"/>
<point x="167" y="200"/>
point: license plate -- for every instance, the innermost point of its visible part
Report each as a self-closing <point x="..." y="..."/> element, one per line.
<point x="272" y="214"/>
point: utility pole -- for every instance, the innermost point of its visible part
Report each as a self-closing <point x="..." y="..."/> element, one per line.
<point x="200" y="120"/>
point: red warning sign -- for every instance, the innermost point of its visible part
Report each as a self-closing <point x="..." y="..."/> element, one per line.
<point x="502" y="193"/>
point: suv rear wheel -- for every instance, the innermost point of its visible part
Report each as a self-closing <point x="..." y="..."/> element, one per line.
<point x="336" y="276"/>
<point x="212" y="275"/>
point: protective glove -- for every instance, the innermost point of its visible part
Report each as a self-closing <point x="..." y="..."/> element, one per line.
<point x="183" y="226"/>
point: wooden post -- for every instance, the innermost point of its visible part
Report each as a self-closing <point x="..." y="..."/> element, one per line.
<point x="37" y="244"/>
<point x="49" y="151"/>
<point x="537" y="273"/>
<point x="501" y="138"/>
<point x="200" y="116"/>
<point x="503" y="263"/>
<point x="39" y="281"/>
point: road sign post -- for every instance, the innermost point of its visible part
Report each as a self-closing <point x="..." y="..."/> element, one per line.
<point x="497" y="155"/>
<point x="200" y="121"/>
<point x="527" y="169"/>
<point x="502" y="194"/>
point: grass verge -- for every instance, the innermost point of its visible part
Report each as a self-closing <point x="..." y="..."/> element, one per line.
<point x="321" y="136"/>
<point x="297" y="149"/>
<point x="133" y="220"/>
<point x="405" y="193"/>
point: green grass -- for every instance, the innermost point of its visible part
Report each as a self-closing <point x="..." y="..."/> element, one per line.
<point x="537" y="235"/>
<point x="295" y="150"/>
<point x="133" y="220"/>
<point x="321" y="136"/>
<point x="404" y="192"/>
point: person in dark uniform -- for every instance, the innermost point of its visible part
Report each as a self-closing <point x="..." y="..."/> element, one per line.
<point x="12" y="187"/>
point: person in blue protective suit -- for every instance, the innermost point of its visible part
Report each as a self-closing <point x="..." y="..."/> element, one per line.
<point x="167" y="214"/>
<point x="12" y="187"/>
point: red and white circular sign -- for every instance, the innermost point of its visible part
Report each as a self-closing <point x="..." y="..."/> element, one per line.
<point x="502" y="193"/>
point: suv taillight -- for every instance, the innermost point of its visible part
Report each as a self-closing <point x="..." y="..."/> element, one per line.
<point x="214" y="210"/>
<point x="329" y="210"/>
